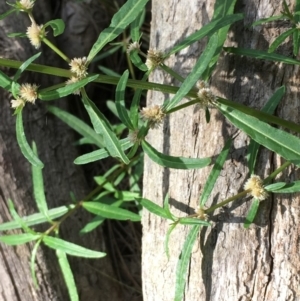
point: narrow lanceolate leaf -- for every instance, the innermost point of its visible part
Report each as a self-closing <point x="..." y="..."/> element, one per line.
<point x="287" y="188"/>
<point x="68" y="275"/>
<point x="36" y="218"/>
<point x="25" y="65"/>
<point x="173" y="162"/>
<point x="32" y="262"/>
<point x="70" y="248"/>
<point x="102" y="127"/>
<point x="199" y="68"/>
<point x="183" y="263"/>
<point x="7" y="13"/>
<point x="136" y="25"/>
<point x="208" y="29"/>
<point x="167" y="207"/>
<point x="278" y="141"/>
<point x="77" y="125"/>
<point x="57" y="25"/>
<point x="269" y="108"/>
<point x="275" y="186"/>
<point x="193" y="221"/>
<point x="252" y="213"/>
<point x="261" y="55"/>
<point x="120" y="100"/>
<point x="154" y="208"/>
<point x="38" y="186"/>
<point x="66" y="90"/>
<point x="125" y="15"/>
<point x="214" y="174"/>
<point x="100" y="153"/>
<point x="266" y="20"/>
<point x="137" y="61"/>
<point x="109" y="211"/>
<point x="23" y="144"/>
<point x="19" y="239"/>
<point x="280" y="39"/>
<point x="5" y="81"/>
<point x="167" y="239"/>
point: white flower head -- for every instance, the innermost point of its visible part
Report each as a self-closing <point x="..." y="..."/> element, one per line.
<point x="204" y="94"/>
<point x="25" y="5"/>
<point x="35" y="34"/>
<point x="298" y="25"/>
<point x="28" y="92"/>
<point x="17" y="103"/>
<point x="79" y="67"/>
<point x="255" y="185"/>
<point x="154" y="59"/>
<point x="154" y="115"/>
<point x="132" y="47"/>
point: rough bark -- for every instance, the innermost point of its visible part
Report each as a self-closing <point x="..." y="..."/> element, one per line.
<point x="228" y="262"/>
<point x="55" y="146"/>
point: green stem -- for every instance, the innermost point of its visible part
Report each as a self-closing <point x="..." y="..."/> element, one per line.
<point x="231" y="199"/>
<point x="276" y="172"/>
<point x="55" y="49"/>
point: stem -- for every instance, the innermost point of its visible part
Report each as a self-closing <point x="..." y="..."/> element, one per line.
<point x="237" y="196"/>
<point x="276" y="172"/>
<point x="55" y="49"/>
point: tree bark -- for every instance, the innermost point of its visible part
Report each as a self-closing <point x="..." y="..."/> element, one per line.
<point x="55" y="147"/>
<point x="228" y="262"/>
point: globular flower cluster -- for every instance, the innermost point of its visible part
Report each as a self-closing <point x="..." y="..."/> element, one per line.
<point x="27" y="93"/>
<point x="205" y="96"/>
<point x="35" y="34"/>
<point x="154" y="59"/>
<point x="25" y="5"/>
<point x="132" y="47"/>
<point x="154" y="115"/>
<point x="78" y="67"/>
<point x="256" y="188"/>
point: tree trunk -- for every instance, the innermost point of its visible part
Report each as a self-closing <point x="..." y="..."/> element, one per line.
<point x="55" y="147"/>
<point x="228" y="262"/>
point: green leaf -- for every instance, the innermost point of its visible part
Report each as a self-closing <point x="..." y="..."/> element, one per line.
<point x="136" y="25"/>
<point x="111" y="212"/>
<point x="269" y="108"/>
<point x="77" y="125"/>
<point x="193" y="221"/>
<point x="137" y="61"/>
<point x="183" y="262"/>
<point x="266" y="20"/>
<point x="23" y="144"/>
<point x="287" y="188"/>
<point x="5" y="81"/>
<point x="214" y="174"/>
<point x="100" y="153"/>
<point x="252" y="213"/>
<point x="32" y="262"/>
<point x="261" y="55"/>
<point x="38" y="186"/>
<point x="24" y="66"/>
<point x="167" y="208"/>
<point x="19" y="239"/>
<point x="36" y="218"/>
<point x="66" y="90"/>
<point x="70" y="248"/>
<point x="57" y="25"/>
<point x="196" y="72"/>
<point x="120" y="100"/>
<point x="154" y="208"/>
<point x="170" y="230"/>
<point x="125" y="15"/>
<point x="208" y="29"/>
<point x="275" y="186"/>
<point x="67" y="274"/>
<point x="278" y="141"/>
<point x="7" y="13"/>
<point x="104" y="183"/>
<point x="126" y="196"/>
<point x="279" y="40"/>
<point x="102" y="127"/>
<point x="173" y="162"/>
